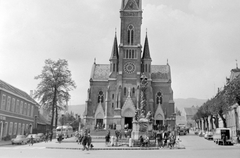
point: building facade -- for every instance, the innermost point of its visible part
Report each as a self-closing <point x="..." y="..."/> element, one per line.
<point x="18" y="111"/>
<point x="188" y="113"/>
<point x="233" y="116"/>
<point x="114" y="92"/>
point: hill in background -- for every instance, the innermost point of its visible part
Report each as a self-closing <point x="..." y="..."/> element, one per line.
<point x="180" y="103"/>
<point x="77" y="109"/>
<point x="189" y="102"/>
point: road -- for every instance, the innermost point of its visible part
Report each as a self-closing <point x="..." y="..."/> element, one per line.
<point x="196" y="147"/>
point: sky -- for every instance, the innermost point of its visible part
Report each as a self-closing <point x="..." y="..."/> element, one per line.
<point x="200" y="39"/>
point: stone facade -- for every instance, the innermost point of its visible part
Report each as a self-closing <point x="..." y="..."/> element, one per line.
<point x="114" y="92"/>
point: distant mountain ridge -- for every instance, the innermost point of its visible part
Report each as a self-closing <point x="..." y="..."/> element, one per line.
<point x="77" y="109"/>
<point x="180" y="103"/>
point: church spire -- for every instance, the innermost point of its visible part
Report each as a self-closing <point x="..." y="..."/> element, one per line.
<point x="114" y="54"/>
<point x="146" y="51"/>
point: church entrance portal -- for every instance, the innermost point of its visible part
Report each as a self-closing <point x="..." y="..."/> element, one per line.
<point x="159" y="125"/>
<point x="99" y="123"/>
<point x="128" y="120"/>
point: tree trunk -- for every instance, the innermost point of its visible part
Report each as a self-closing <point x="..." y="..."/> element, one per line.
<point x="216" y="121"/>
<point x="211" y="122"/>
<point x="52" y="118"/>
<point x="224" y="120"/>
<point x="53" y="106"/>
<point x="207" y="123"/>
<point x="236" y="119"/>
<point x="56" y="118"/>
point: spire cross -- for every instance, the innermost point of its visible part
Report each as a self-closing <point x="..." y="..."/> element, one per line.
<point x="94" y="60"/>
<point x="236" y="64"/>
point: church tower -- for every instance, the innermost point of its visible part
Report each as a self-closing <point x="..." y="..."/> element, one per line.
<point x="130" y="46"/>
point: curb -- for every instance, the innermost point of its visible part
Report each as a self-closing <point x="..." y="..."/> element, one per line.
<point x="115" y="148"/>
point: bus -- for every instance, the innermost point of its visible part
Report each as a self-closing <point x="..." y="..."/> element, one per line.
<point x="66" y="131"/>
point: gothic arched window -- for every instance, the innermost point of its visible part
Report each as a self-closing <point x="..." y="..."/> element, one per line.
<point x="133" y="91"/>
<point x="100" y="97"/>
<point x="113" y="67"/>
<point x="130" y="34"/>
<point x="125" y="91"/>
<point x="159" y="98"/>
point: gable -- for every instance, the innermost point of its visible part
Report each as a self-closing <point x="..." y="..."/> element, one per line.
<point x="132" y="5"/>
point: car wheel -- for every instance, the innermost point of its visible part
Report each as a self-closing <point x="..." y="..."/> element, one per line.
<point x="12" y="143"/>
<point x="22" y="143"/>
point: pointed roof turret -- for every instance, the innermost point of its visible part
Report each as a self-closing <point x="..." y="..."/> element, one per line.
<point x="114" y="54"/>
<point x="146" y="51"/>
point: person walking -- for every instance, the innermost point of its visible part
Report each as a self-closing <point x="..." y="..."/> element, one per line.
<point x="107" y="138"/>
<point x="31" y="140"/>
<point x="46" y="138"/>
<point x="50" y="136"/>
<point x="89" y="141"/>
<point x="85" y="141"/>
<point x="159" y="138"/>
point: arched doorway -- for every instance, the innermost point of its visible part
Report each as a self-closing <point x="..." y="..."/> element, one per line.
<point x="159" y="121"/>
<point x="99" y="120"/>
<point x="128" y="115"/>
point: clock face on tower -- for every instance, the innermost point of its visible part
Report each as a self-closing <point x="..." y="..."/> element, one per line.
<point x="129" y="67"/>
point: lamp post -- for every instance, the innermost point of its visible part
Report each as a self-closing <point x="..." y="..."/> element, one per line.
<point x="79" y="123"/>
<point x="62" y="122"/>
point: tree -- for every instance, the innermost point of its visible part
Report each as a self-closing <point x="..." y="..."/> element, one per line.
<point x="56" y="82"/>
<point x="233" y="91"/>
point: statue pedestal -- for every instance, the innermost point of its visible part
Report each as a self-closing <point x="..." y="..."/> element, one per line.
<point x="141" y="127"/>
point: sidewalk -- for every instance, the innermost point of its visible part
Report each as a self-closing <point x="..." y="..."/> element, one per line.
<point x="70" y="144"/>
<point x="3" y="143"/>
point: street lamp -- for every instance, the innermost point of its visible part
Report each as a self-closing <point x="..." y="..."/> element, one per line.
<point x="79" y="123"/>
<point x="62" y="122"/>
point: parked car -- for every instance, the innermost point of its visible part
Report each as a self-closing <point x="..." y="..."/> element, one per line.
<point x="222" y="136"/>
<point x="36" y="138"/>
<point x="41" y="135"/>
<point x="208" y="135"/>
<point x="20" y="139"/>
<point x="181" y="129"/>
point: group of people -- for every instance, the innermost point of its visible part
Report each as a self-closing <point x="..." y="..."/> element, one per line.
<point x="85" y="139"/>
<point x="47" y="137"/>
<point x="166" y="139"/>
<point x="112" y="140"/>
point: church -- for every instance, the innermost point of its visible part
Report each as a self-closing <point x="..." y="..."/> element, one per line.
<point x="114" y="92"/>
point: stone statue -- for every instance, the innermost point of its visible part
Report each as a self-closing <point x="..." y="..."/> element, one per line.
<point x="136" y="115"/>
<point x="149" y="116"/>
<point x="142" y="115"/>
